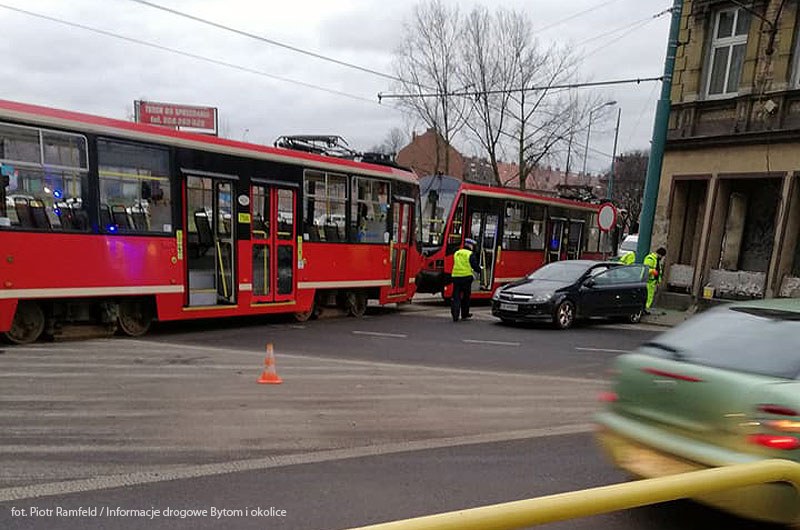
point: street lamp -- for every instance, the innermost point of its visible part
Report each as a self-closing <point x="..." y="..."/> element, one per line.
<point x="589" y="130"/>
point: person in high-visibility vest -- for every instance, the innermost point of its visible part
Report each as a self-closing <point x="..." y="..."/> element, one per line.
<point x="465" y="262"/>
<point x="655" y="263"/>
<point x="629" y="258"/>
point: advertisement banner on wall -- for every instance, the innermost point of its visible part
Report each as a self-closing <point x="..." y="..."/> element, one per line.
<point x="183" y="117"/>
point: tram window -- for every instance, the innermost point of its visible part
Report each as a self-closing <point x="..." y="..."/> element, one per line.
<point x="533" y="228"/>
<point x="456" y="234"/>
<point x="35" y="196"/>
<point x="512" y="227"/>
<point x="370" y="211"/>
<point x="20" y="144"/>
<point x="592" y="234"/>
<point x="64" y="150"/>
<point x="134" y="183"/>
<point x="324" y="206"/>
<point x="285" y="214"/>
<point x="44" y="200"/>
<point x="260" y="210"/>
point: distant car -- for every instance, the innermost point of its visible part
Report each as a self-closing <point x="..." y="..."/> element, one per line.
<point x="723" y="388"/>
<point x="563" y="291"/>
<point x="628" y="244"/>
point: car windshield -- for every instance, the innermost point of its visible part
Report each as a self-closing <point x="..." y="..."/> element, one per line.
<point x="562" y="271"/>
<point x="744" y="339"/>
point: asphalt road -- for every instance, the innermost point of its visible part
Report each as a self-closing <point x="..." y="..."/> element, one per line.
<point x="402" y="413"/>
<point x="424" y="334"/>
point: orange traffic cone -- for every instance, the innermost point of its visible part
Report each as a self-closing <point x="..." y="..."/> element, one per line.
<point x="269" y="375"/>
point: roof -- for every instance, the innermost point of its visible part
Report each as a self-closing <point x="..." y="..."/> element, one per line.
<point x="87" y="123"/>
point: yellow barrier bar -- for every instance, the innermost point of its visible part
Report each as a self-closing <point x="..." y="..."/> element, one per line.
<point x="596" y="501"/>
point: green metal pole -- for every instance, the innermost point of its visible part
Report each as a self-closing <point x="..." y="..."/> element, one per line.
<point x="659" y="140"/>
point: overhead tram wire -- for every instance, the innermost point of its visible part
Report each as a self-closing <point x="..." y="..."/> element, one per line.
<point x="267" y="40"/>
<point x="192" y="55"/>
<point x="475" y="93"/>
<point x="576" y="15"/>
<point x="639" y="22"/>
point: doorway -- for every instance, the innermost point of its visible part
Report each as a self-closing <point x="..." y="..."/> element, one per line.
<point x="401" y="231"/>
<point x="273" y="243"/>
<point x="211" y="239"/>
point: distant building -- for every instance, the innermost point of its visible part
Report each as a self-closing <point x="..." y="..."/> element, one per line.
<point x="428" y="153"/>
<point x="729" y="201"/>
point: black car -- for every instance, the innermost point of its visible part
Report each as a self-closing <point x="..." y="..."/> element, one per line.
<point x="562" y="291"/>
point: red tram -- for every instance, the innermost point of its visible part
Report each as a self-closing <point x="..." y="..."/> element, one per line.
<point x="120" y="223"/>
<point x="516" y="232"/>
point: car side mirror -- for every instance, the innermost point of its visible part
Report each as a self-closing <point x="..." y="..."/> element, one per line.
<point x="589" y="282"/>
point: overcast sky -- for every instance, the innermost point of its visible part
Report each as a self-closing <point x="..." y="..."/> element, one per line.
<point x="51" y="64"/>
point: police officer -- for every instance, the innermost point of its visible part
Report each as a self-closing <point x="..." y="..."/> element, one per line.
<point x="629" y="258"/>
<point x="465" y="261"/>
<point x="655" y="262"/>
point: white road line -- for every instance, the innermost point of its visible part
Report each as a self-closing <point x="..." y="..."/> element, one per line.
<point x="607" y="350"/>
<point x="301" y="356"/>
<point x="376" y="334"/>
<point x="254" y="464"/>
<point x="492" y="342"/>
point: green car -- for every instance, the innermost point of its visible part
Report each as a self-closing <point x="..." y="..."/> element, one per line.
<point x="721" y="389"/>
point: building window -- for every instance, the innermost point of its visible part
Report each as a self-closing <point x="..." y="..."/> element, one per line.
<point x="42" y="179"/>
<point x="325" y="206"/>
<point x="135" y="195"/>
<point x="370" y="214"/>
<point x="727" y="51"/>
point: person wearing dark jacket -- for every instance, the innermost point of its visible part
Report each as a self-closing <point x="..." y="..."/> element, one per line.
<point x="465" y="262"/>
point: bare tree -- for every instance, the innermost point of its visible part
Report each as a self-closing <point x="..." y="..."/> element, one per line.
<point x="630" y="170"/>
<point x="395" y="140"/>
<point x="543" y="119"/>
<point x="427" y="60"/>
<point x="489" y="67"/>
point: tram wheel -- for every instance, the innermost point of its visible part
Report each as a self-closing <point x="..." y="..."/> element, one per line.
<point x="356" y="303"/>
<point x="305" y="316"/>
<point x="28" y="323"/>
<point x="135" y="317"/>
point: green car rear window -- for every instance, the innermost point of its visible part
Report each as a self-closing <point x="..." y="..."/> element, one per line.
<point x="743" y="339"/>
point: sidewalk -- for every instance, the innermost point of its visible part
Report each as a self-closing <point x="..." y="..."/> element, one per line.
<point x="665" y="317"/>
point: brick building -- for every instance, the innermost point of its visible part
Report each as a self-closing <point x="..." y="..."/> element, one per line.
<point x="729" y="201"/>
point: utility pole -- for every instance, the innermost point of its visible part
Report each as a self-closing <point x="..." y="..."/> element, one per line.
<point x="659" y="139"/>
<point x="610" y="192"/>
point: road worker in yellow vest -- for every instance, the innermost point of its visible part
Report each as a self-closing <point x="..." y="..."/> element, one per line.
<point x="465" y="263"/>
<point x="629" y="258"/>
<point x="655" y="263"/>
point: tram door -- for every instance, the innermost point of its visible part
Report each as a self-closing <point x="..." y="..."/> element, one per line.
<point x="274" y="247"/>
<point x="483" y="229"/>
<point x="401" y="231"/>
<point x="210" y="240"/>
<point x="575" y="238"/>
<point x="557" y="240"/>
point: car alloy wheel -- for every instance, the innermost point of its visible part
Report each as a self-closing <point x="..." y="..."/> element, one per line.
<point x="635" y="318"/>
<point x="565" y="314"/>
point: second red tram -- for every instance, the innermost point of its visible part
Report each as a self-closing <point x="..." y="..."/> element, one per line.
<point x="516" y="232"/>
<point x="120" y="223"/>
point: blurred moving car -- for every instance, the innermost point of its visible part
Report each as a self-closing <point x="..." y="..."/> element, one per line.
<point x="723" y="388"/>
<point x="563" y="291"/>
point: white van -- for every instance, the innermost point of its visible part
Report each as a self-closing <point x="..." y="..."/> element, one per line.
<point x="628" y="244"/>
